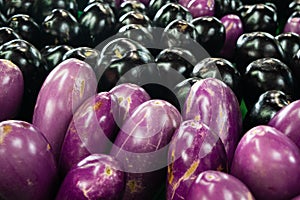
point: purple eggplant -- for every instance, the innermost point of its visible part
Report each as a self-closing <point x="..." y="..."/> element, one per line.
<point x="129" y="96"/>
<point x="213" y="103"/>
<point x="200" y="8"/>
<point x="65" y="88"/>
<point x="292" y="24"/>
<point x="97" y="176"/>
<point x="90" y="131"/>
<point x="12" y="88"/>
<point x="234" y="29"/>
<point x="218" y="185"/>
<point x="286" y="121"/>
<point x="194" y="148"/>
<point x="27" y="165"/>
<point x="141" y="147"/>
<point x="268" y="162"/>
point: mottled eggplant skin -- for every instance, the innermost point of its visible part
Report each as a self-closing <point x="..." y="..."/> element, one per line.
<point x="28" y="169"/>
<point x="212" y="102"/>
<point x="12" y="88"/>
<point x="65" y="88"/>
<point x="129" y="96"/>
<point x="90" y="131"/>
<point x="189" y="156"/>
<point x="267" y="162"/>
<point x="287" y="121"/>
<point x="218" y="185"/>
<point x="141" y="147"/>
<point x="97" y="176"/>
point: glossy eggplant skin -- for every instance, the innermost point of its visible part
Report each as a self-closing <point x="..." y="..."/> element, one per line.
<point x="260" y="17"/>
<point x="119" y="57"/>
<point x="28" y="168"/>
<point x="34" y="70"/>
<point x="97" y="176"/>
<point x="129" y="96"/>
<point x="65" y="88"/>
<point x="218" y="185"/>
<point x="268" y="104"/>
<point x="225" y="7"/>
<point x="233" y="30"/>
<point x="191" y="138"/>
<point x="99" y="19"/>
<point x="267" y="161"/>
<point x="128" y="6"/>
<point x="290" y="43"/>
<point x="292" y="24"/>
<point x="267" y="74"/>
<point x="43" y="8"/>
<point x="295" y="63"/>
<point x="27" y="28"/>
<point x="286" y="121"/>
<point x="256" y="45"/>
<point x="86" y="54"/>
<point x="53" y="54"/>
<point x="141" y="147"/>
<point x="12" y="89"/>
<point x="92" y="130"/>
<point x="221" y="69"/>
<point x="214" y="103"/>
<point x="134" y="17"/>
<point x="201" y="8"/>
<point x="155" y="5"/>
<point x="170" y="12"/>
<point x="61" y="27"/>
<point x="211" y="34"/>
<point x="7" y="34"/>
<point x="12" y="7"/>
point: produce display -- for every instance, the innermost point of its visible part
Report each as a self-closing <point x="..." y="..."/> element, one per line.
<point x="149" y="99"/>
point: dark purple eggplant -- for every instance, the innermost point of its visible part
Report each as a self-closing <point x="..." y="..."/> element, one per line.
<point x="267" y="74"/>
<point x="13" y="7"/>
<point x="221" y="69"/>
<point x="53" y="54"/>
<point x="225" y="7"/>
<point x="133" y="5"/>
<point x="290" y="43"/>
<point x="155" y="5"/>
<point x="169" y="12"/>
<point x="97" y="176"/>
<point x="7" y="34"/>
<point x="134" y="17"/>
<point x="27" y="28"/>
<point x="99" y="19"/>
<point x="61" y="27"/>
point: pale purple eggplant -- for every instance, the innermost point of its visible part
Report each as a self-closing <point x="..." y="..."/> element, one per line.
<point x="287" y="121"/>
<point x="194" y="148"/>
<point x="218" y="185"/>
<point x="91" y="130"/>
<point x="213" y="103"/>
<point x="65" y="88"/>
<point x="200" y="8"/>
<point x="142" y="145"/>
<point x="293" y="23"/>
<point x="11" y="89"/>
<point x="27" y="165"/>
<point x="129" y="97"/>
<point x="267" y="161"/>
<point x="97" y="176"/>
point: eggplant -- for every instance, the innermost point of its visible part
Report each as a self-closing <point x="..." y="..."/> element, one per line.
<point x="129" y="96"/>
<point x="194" y="148"/>
<point x="155" y="5"/>
<point x="92" y="130"/>
<point x="142" y="144"/>
<point x="267" y="161"/>
<point x="65" y="88"/>
<point x="12" y="89"/>
<point x="134" y="17"/>
<point x="290" y="43"/>
<point x="34" y="70"/>
<point x="218" y="185"/>
<point x="201" y="8"/>
<point x="28" y="168"/>
<point x="13" y="7"/>
<point x="233" y="30"/>
<point x="214" y="103"/>
<point x="128" y="6"/>
<point x="286" y="120"/>
<point x="97" y="176"/>
<point x="53" y="54"/>
<point x="7" y="34"/>
<point x="226" y="7"/>
<point x="27" y="28"/>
